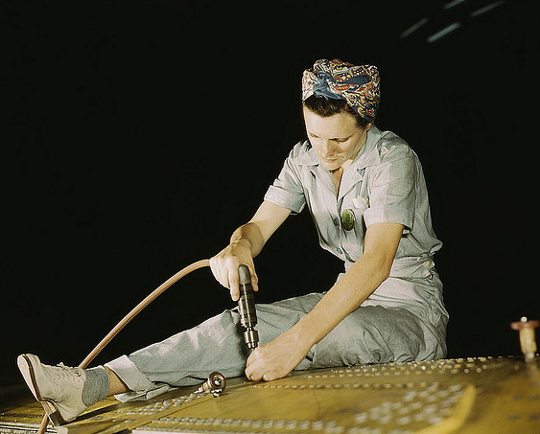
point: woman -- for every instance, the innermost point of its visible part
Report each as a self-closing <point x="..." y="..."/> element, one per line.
<point x="366" y="192"/>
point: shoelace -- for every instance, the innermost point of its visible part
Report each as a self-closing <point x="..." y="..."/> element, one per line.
<point x="63" y="374"/>
<point x="66" y="372"/>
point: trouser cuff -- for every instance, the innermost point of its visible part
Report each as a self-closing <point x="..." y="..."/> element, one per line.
<point x="141" y="387"/>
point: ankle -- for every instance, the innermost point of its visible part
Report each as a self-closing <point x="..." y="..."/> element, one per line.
<point x="116" y="385"/>
<point x="96" y="386"/>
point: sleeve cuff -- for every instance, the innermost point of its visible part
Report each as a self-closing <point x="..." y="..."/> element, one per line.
<point x="389" y="214"/>
<point x="283" y="198"/>
<point x="142" y="387"/>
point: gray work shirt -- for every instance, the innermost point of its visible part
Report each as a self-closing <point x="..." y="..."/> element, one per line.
<point x="385" y="183"/>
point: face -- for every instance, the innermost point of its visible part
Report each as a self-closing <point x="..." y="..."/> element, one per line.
<point x="336" y="139"/>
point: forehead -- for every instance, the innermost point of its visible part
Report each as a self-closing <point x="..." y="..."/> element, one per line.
<point x="339" y="125"/>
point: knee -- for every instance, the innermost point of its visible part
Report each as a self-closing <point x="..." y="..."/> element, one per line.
<point x="373" y="335"/>
<point x="346" y="345"/>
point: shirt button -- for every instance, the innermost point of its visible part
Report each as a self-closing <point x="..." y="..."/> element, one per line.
<point x="336" y="221"/>
<point x="339" y="250"/>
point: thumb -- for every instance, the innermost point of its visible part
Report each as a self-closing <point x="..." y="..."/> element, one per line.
<point x="254" y="278"/>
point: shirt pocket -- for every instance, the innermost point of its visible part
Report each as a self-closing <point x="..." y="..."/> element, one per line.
<point x="353" y="240"/>
<point x="358" y="201"/>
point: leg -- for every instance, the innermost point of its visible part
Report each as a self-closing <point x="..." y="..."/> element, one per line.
<point x="377" y="334"/>
<point x="184" y="359"/>
<point x="116" y="385"/>
<point x="189" y="357"/>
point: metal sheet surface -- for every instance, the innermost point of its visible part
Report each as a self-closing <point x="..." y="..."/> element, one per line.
<point x="475" y="395"/>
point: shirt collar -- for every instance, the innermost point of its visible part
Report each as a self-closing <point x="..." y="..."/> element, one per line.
<point x="369" y="154"/>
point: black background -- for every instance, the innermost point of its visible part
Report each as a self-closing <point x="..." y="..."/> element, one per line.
<point x="136" y="136"/>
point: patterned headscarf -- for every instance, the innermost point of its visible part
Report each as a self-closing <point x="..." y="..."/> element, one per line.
<point x="336" y="79"/>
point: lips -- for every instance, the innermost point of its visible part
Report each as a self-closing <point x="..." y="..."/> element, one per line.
<point x="329" y="160"/>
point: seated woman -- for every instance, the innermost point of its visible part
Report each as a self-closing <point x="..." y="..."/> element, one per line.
<point x="366" y="192"/>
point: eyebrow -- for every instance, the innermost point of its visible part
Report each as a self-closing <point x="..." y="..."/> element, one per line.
<point x="332" y="138"/>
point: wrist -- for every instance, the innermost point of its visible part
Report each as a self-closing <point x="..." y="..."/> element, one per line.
<point x="300" y="336"/>
<point x="240" y="247"/>
<point x="248" y="236"/>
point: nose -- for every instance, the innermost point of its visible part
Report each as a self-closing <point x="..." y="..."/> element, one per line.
<point x="327" y="149"/>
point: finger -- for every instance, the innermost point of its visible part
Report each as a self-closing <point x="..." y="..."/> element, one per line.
<point x="252" y="358"/>
<point x="253" y="374"/>
<point x="220" y="270"/>
<point x="251" y="363"/>
<point x="254" y="278"/>
<point x="217" y="271"/>
<point x="214" y="268"/>
<point x="270" y="375"/>
<point x="234" y="285"/>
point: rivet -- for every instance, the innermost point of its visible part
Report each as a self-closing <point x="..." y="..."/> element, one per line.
<point x="291" y="424"/>
<point x="385" y="419"/>
<point x="317" y="425"/>
<point x="403" y="420"/>
<point x="361" y="417"/>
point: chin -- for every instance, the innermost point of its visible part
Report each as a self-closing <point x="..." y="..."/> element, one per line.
<point x="333" y="165"/>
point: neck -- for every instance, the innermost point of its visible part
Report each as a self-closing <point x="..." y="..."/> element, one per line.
<point x="336" y="175"/>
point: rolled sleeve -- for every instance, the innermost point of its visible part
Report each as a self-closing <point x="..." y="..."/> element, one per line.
<point x="389" y="214"/>
<point x="285" y="198"/>
<point x="287" y="190"/>
<point x="393" y="194"/>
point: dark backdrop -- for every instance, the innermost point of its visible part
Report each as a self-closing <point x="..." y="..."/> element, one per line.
<point x="136" y="136"/>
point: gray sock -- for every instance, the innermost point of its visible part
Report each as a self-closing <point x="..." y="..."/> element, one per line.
<point x="96" y="386"/>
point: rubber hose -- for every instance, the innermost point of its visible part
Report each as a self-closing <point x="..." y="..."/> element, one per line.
<point x="134" y="312"/>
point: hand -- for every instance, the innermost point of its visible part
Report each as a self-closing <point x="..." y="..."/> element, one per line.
<point x="225" y="265"/>
<point x="275" y="359"/>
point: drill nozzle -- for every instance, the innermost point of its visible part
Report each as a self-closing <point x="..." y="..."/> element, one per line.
<point x="246" y="307"/>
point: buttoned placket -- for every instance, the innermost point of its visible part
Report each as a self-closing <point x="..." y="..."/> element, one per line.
<point x="324" y="178"/>
<point x="350" y="198"/>
<point x="349" y="186"/>
<point x="334" y="204"/>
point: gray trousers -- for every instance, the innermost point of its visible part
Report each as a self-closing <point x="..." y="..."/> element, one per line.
<point x="371" y="334"/>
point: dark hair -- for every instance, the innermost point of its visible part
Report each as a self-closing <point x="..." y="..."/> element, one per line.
<point x="326" y="107"/>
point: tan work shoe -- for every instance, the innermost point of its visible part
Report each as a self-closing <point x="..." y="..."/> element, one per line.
<point x="57" y="388"/>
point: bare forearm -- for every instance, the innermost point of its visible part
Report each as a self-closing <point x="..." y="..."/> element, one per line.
<point x="246" y="242"/>
<point x="346" y="295"/>
<point x="260" y="228"/>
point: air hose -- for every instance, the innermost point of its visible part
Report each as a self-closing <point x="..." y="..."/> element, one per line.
<point x="134" y="312"/>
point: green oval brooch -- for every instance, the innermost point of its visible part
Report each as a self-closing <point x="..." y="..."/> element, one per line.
<point x="347" y="219"/>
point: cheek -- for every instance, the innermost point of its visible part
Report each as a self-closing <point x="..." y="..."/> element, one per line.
<point x="341" y="149"/>
<point x="351" y="150"/>
<point x="355" y="146"/>
<point x="317" y="146"/>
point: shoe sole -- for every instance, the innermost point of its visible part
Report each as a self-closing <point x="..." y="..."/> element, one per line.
<point x="27" y="370"/>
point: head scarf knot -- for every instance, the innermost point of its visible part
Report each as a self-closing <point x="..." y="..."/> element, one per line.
<point x="336" y="79"/>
